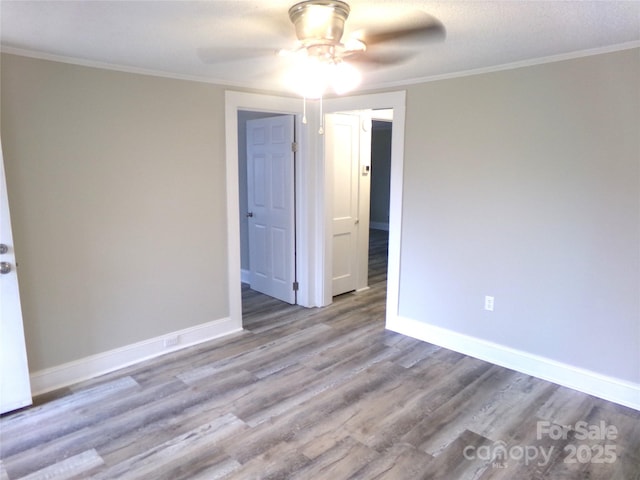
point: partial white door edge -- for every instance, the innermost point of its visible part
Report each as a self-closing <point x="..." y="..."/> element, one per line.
<point x="15" y="389"/>
<point x="388" y="100"/>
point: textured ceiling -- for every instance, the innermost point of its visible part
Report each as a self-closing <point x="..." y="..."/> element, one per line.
<point x="234" y="42"/>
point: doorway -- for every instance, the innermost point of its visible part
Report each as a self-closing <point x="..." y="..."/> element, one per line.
<point x="381" y="131"/>
<point x="311" y="214"/>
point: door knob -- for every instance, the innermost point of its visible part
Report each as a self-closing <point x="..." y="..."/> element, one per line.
<point x="249" y="214"/>
<point x="5" y="267"/>
<point x="3" y="248"/>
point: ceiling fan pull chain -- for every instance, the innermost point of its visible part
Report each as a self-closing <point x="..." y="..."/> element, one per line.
<point x="304" y="110"/>
<point x="321" y="129"/>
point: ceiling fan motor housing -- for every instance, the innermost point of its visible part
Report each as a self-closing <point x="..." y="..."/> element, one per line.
<point x="319" y="22"/>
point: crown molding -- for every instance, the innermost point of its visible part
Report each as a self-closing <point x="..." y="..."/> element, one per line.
<point x="505" y="66"/>
<point x="363" y="88"/>
<point x="116" y="67"/>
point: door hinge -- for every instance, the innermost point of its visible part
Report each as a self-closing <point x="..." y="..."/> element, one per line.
<point x="296" y="286"/>
<point x="294" y="147"/>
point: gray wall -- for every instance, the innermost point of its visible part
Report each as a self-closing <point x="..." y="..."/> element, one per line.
<point x="522" y="184"/>
<point x="525" y="185"/>
<point x="380" y="172"/>
<point x="116" y="186"/>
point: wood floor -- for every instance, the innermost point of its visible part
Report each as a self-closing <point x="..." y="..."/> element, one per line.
<point x="319" y="394"/>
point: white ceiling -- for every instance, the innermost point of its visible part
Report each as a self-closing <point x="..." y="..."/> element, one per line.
<point x="233" y="42"/>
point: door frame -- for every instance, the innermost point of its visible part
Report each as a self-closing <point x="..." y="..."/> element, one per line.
<point x="311" y="203"/>
<point x="394" y="101"/>
<point x="234" y="102"/>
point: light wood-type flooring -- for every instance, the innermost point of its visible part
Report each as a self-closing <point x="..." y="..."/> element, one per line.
<point x="319" y="394"/>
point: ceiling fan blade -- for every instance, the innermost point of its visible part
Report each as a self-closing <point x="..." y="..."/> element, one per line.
<point x="381" y="59"/>
<point x="269" y="31"/>
<point x="418" y="28"/>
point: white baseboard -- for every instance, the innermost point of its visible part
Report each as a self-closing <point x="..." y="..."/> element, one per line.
<point x="245" y="276"/>
<point x="379" y="226"/>
<point x="602" y="386"/>
<point x="85" y="368"/>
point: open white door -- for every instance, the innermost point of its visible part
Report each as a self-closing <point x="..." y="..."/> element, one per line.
<point x="271" y="202"/>
<point x="347" y="157"/>
<point x="15" y="389"/>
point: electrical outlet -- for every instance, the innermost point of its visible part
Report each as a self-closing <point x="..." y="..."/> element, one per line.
<point x="488" y="303"/>
<point x="171" y="341"/>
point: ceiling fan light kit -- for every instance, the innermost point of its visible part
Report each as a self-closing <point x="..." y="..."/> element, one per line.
<point x="318" y="58"/>
<point x="311" y="78"/>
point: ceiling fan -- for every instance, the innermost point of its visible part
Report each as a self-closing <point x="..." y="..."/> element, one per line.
<point x="320" y="51"/>
<point x="320" y="24"/>
<point x="326" y="48"/>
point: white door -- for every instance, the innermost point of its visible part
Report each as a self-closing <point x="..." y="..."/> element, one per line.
<point x="15" y="389"/>
<point x="271" y="204"/>
<point x="347" y="163"/>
